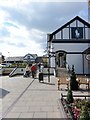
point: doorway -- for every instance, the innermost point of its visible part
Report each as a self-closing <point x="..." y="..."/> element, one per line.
<point x="60" y="59"/>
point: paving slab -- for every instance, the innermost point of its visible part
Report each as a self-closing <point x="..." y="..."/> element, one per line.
<point x="28" y="98"/>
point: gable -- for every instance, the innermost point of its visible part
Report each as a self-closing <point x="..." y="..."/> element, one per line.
<point x="77" y="18"/>
<point x="28" y="56"/>
<point x="74" y="29"/>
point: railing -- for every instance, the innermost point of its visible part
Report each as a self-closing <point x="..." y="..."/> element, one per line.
<point x="11" y="74"/>
<point x="82" y="96"/>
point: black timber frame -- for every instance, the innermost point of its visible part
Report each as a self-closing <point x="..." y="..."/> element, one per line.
<point x="65" y="26"/>
<point x="52" y="36"/>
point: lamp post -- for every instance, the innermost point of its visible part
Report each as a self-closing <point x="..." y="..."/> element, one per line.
<point x="49" y="66"/>
<point x="48" y="51"/>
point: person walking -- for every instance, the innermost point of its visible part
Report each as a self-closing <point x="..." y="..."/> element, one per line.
<point x="27" y="71"/>
<point x="41" y="67"/>
<point x="33" y="70"/>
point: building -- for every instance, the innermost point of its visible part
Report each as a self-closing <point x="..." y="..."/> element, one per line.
<point x="42" y="59"/>
<point x="20" y="59"/>
<point x="30" y="58"/>
<point x="71" y="46"/>
<point x="16" y="59"/>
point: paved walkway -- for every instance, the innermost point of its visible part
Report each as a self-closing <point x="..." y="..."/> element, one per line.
<point x="27" y="98"/>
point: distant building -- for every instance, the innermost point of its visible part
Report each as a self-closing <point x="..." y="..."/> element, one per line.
<point x="29" y="58"/>
<point x="42" y="59"/>
<point x="21" y="59"/>
<point x="71" y="46"/>
<point x="17" y="59"/>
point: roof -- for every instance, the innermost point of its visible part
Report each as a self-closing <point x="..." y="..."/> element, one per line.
<point x="21" y="58"/>
<point x="87" y="51"/>
<point x="32" y="55"/>
<point x="75" y="18"/>
<point x="18" y="58"/>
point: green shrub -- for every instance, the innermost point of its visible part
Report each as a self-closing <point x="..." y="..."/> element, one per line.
<point x="19" y="65"/>
<point x="73" y="82"/>
<point x="88" y="104"/>
<point x="70" y="96"/>
<point x="84" y="115"/>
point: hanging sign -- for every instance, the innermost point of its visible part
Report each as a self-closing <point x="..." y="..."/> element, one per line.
<point x="77" y="32"/>
<point x="88" y="56"/>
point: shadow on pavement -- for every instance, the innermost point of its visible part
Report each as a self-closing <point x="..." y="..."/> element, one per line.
<point x="3" y="92"/>
<point x="47" y="83"/>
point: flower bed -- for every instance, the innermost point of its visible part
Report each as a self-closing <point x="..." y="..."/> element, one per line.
<point x="74" y="110"/>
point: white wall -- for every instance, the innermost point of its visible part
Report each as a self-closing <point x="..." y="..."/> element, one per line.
<point x="72" y="59"/>
<point x="52" y="61"/>
<point x="76" y="60"/>
<point x="70" y="47"/>
<point x="85" y="65"/>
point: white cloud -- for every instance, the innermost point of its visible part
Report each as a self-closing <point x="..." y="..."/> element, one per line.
<point x="21" y="41"/>
<point x="3" y="16"/>
<point x="24" y="24"/>
<point x="31" y="47"/>
<point x="13" y="3"/>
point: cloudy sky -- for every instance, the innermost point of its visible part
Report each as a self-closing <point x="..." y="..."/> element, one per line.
<point x="24" y="25"/>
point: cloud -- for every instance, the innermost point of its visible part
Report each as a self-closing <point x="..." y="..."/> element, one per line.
<point x="43" y="16"/>
<point x="25" y="24"/>
<point x="10" y="24"/>
<point x="4" y="32"/>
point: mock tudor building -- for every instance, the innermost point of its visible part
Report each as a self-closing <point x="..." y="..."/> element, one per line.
<point x="70" y="45"/>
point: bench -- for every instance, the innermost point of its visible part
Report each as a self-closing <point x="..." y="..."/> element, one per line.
<point x="62" y="81"/>
<point x="83" y="80"/>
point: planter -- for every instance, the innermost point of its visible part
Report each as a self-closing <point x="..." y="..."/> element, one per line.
<point x="73" y="110"/>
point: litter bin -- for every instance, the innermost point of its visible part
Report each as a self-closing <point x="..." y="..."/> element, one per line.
<point x="40" y="76"/>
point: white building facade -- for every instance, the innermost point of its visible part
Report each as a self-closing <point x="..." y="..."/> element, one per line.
<point x="70" y="45"/>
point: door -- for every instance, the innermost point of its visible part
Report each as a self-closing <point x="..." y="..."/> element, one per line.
<point x="61" y="60"/>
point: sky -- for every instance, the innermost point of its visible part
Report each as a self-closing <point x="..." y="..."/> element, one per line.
<point x="24" y="24"/>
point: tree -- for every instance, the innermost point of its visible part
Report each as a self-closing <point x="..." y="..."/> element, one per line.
<point x="2" y="58"/>
<point x="70" y="96"/>
<point x="73" y="82"/>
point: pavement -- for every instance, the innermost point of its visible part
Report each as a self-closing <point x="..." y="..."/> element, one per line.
<point x="28" y="98"/>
